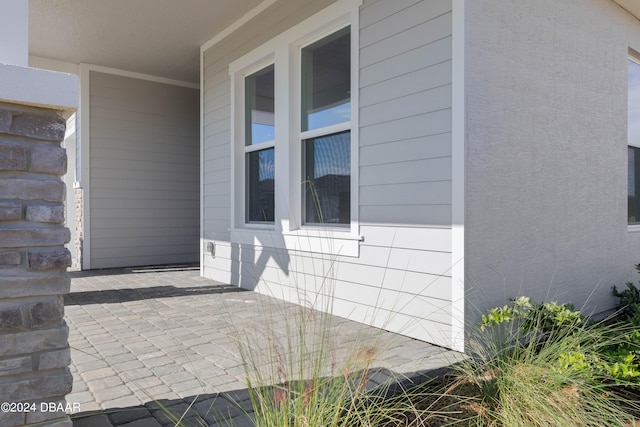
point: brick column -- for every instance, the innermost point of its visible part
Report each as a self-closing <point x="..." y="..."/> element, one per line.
<point x="34" y="350"/>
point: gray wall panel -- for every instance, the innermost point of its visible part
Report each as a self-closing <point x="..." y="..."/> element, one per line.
<point x="144" y="172"/>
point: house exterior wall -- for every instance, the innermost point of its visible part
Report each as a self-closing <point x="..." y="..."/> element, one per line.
<point x="144" y="163"/>
<point x="400" y="278"/>
<point x="546" y="166"/>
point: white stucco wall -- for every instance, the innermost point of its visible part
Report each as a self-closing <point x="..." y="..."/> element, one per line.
<point x="546" y="175"/>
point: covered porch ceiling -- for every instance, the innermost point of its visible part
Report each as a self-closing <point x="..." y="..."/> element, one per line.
<point x="157" y="37"/>
<point x="631" y="6"/>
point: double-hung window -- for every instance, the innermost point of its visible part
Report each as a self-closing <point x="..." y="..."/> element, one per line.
<point x="326" y="129"/>
<point x="294" y="136"/>
<point x="259" y="146"/>
<point x="633" y="132"/>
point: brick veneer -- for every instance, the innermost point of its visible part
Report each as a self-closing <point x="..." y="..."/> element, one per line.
<point x="34" y="350"/>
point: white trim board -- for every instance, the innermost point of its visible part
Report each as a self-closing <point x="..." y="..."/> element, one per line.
<point x="332" y="16"/>
<point x="85" y="161"/>
<point x="248" y="17"/>
<point x="39" y="88"/>
<point x="236" y="25"/>
<point x="140" y="76"/>
<point x="201" y="125"/>
<point x="458" y="177"/>
<point x="53" y="65"/>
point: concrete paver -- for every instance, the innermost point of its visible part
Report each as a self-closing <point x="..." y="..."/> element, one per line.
<point x="147" y="344"/>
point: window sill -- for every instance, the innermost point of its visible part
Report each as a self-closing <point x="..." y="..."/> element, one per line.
<point x="633" y="228"/>
<point x="327" y="242"/>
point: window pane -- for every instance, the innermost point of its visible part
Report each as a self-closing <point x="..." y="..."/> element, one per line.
<point x="634" y="185"/>
<point x="326" y="81"/>
<point x="259" y="107"/>
<point x="633" y="132"/>
<point x="327" y="185"/>
<point x="633" y="112"/>
<point x="260" y="186"/>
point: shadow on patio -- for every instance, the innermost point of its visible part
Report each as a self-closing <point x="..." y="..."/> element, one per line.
<point x="233" y="408"/>
<point x="144" y="335"/>
<point x="137" y="294"/>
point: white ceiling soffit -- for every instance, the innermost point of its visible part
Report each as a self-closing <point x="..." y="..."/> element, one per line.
<point x="157" y="37"/>
<point x="632" y="6"/>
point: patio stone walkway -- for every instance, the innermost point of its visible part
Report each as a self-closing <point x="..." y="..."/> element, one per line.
<point x="151" y="341"/>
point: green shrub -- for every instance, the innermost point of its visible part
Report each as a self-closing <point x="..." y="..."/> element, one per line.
<point x="543" y="317"/>
<point x="298" y="376"/>
<point x="624" y="357"/>
<point x="546" y="364"/>
<point x="629" y="304"/>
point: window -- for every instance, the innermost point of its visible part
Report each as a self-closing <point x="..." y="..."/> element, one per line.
<point x="633" y="132"/>
<point x="294" y="136"/>
<point x="325" y="109"/>
<point x="327" y="188"/>
<point x="259" y="119"/>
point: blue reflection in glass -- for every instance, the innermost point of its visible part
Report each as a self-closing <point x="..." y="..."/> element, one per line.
<point x="260" y="107"/>
<point x="330" y="116"/>
<point x="262" y="133"/>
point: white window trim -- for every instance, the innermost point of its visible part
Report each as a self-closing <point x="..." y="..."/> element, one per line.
<point x="238" y="147"/>
<point x="241" y="141"/>
<point x="632" y="228"/>
<point x="284" y="51"/>
<point x="296" y="129"/>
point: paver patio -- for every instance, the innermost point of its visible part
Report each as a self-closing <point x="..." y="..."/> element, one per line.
<point x="146" y="337"/>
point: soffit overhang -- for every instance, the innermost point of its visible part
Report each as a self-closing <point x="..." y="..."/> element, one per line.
<point x="157" y="37"/>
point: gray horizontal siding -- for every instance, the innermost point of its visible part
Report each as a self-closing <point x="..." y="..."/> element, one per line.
<point x="384" y="21"/>
<point x="408" y="215"/>
<point x="376" y="11"/>
<point x="396" y="289"/>
<point x="411" y="171"/>
<point x="404" y="262"/>
<point x="144" y="172"/>
<point x="410" y="38"/>
<point x="422" y="147"/>
<point x="417" y="103"/>
<point x="412" y="193"/>
<point x="398" y="64"/>
<point x="406" y="128"/>
<point x="405" y="84"/>
<point x="405" y="115"/>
